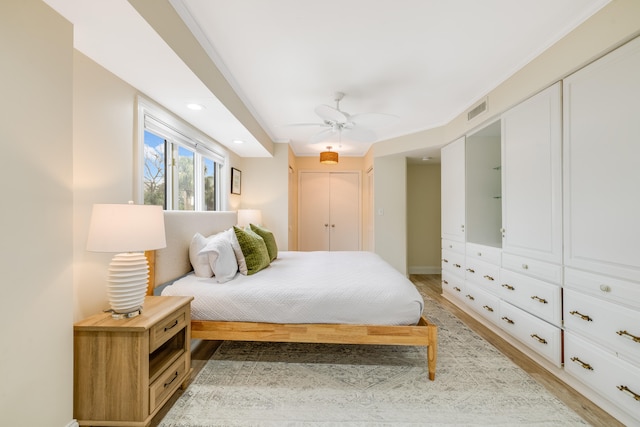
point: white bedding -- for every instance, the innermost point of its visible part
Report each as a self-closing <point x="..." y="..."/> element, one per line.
<point x="308" y="287"/>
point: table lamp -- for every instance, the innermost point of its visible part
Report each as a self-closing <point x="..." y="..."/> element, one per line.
<point x="128" y="230"/>
<point x="249" y="216"/>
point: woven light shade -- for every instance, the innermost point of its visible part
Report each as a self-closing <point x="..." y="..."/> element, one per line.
<point x="329" y="157"/>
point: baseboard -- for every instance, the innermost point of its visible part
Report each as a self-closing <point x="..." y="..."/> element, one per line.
<point x="425" y="270"/>
<point x="73" y="423"/>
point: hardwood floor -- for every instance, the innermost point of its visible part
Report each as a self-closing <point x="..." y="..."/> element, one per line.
<point x="203" y="350"/>
<point x="591" y="413"/>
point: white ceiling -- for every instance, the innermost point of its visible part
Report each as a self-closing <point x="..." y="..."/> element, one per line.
<point x="425" y="61"/>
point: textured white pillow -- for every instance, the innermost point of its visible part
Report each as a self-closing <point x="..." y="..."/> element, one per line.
<point x="242" y="263"/>
<point x="199" y="262"/>
<point x="221" y="258"/>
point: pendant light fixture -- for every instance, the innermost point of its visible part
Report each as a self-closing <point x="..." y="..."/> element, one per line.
<point x="329" y="157"/>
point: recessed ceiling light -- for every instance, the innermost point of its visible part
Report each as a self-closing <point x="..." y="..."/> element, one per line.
<point x="425" y="158"/>
<point x="238" y="141"/>
<point x="195" y="107"/>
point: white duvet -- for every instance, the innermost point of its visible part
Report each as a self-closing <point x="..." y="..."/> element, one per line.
<point x="308" y="287"/>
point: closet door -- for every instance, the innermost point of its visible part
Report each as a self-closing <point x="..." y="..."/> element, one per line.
<point x="532" y="177"/>
<point x="453" y="190"/>
<point x="601" y="172"/>
<point x="329" y="214"/>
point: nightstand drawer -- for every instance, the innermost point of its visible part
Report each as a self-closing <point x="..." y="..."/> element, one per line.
<point x="167" y="383"/>
<point x="164" y="330"/>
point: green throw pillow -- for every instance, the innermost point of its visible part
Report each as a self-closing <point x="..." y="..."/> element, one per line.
<point x="254" y="250"/>
<point x="268" y="238"/>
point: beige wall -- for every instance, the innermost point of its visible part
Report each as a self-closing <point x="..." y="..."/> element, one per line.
<point x="423" y="218"/>
<point x="36" y="355"/>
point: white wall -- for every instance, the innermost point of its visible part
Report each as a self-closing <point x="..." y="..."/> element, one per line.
<point x="423" y="218"/>
<point x="36" y="355"/>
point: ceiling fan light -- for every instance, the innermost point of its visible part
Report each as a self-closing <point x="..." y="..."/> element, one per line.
<point x="329" y="158"/>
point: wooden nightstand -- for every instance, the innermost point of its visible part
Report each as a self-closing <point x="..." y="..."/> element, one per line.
<point x="126" y="369"/>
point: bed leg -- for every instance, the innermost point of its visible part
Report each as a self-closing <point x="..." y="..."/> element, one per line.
<point x="432" y="351"/>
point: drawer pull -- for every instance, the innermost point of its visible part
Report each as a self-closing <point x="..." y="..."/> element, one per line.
<point x="525" y="267"/>
<point x="445" y="260"/>
<point x="509" y="321"/>
<point x="175" y="323"/>
<point x="488" y="277"/>
<point x="540" y="340"/>
<point x="626" y="389"/>
<point x="457" y="265"/>
<point x="470" y="297"/>
<point x="581" y="363"/>
<point x="471" y="270"/>
<point x="457" y="289"/>
<point x="486" y="307"/>
<point x="445" y="282"/>
<point x="626" y="334"/>
<point x="580" y="315"/>
<point x="540" y="300"/>
<point x="175" y="376"/>
<point x="506" y="286"/>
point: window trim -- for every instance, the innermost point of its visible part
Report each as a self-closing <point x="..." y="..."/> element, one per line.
<point x="156" y="119"/>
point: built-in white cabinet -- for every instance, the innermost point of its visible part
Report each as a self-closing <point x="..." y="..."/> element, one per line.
<point x="329" y="211"/>
<point x="532" y="177"/>
<point x="601" y="146"/>
<point x="453" y="191"/>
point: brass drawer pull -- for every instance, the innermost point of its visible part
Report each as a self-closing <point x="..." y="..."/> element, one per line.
<point x="581" y="363"/>
<point x="457" y="289"/>
<point x="488" y="277"/>
<point x="509" y="321"/>
<point x="540" y="340"/>
<point x="457" y="265"/>
<point x="580" y="315"/>
<point x="626" y="389"/>
<point x="471" y="270"/>
<point x="470" y="297"/>
<point x="506" y="286"/>
<point x="486" y="307"/>
<point x="626" y="334"/>
<point x="445" y="282"/>
<point x="445" y="260"/>
<point x="175" y="323"/>
<point x="175" y="376"/>
<point x="541" y="300"/>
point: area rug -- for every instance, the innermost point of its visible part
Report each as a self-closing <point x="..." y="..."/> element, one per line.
<point x="283" y="384"/>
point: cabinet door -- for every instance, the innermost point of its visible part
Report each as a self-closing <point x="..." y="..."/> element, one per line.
<point x="532" y="177"/>
<point x="453" y="190"/>
<point x="601" y="172"/>
<point x="344" y="202"/>
<point x="313" y="232"/>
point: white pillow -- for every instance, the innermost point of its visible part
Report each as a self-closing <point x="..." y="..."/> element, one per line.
<point x="221" y="258"/>
<point x="199" y="262"/>
<point x="242" y="263"/>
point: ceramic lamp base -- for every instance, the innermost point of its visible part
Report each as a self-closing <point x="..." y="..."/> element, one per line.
<point x="127" y="283"/>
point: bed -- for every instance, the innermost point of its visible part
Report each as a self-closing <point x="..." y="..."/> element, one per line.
<point x="306" y="272"/>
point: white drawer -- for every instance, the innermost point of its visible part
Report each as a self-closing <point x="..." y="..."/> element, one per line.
<point x="488" y="254"/>
<point x="482" y="273"/>
<point x="453" y="286"/>
<point x="610" y="324"/>
<point x="539" y="298"/>
<point x="605" y="287"/>
<point x="484" y="303"/>
<point x="452" y="245"/>
<point x="611" y="377"/>
<point x="453" y="261"/>
<point x="534" y="268"/>
<point x="542" y="337"/>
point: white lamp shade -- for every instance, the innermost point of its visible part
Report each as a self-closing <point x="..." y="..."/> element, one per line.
<point x="249" y="216"/>
<point x="126" y="228"/>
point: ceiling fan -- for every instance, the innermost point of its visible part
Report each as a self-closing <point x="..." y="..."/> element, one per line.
<point x="357" y="127"/>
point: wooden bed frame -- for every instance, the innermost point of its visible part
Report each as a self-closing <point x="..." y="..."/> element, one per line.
<point x="173" y="261"/>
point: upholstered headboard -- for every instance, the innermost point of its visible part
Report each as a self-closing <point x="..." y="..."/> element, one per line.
<point x="173" y="261"/>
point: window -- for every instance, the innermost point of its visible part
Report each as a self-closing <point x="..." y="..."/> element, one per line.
<point x="180" y="168"/>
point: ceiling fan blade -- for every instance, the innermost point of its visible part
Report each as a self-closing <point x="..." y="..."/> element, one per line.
<point x="305" y="124"/>
<point x="322" y="136"/>
<point x="331" y="114"/>
<point x="373" y="120"/>
<point x="359" y="134"/>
